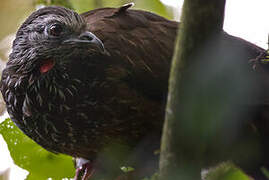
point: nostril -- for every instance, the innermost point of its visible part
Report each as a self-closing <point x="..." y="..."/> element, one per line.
<point x="86" y="36"/>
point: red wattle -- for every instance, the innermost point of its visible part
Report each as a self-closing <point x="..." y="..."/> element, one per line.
<point x="46" y="66"/>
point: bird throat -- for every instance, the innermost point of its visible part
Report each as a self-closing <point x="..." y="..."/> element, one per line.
<point x="46" y="66"/>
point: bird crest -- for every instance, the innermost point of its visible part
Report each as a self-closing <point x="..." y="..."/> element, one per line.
<point x="124" y="8"/>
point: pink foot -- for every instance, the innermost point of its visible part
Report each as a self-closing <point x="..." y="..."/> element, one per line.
<point x="84" y="167"/>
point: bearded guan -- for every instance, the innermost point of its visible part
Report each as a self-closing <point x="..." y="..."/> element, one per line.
<point x="88" y="84"/>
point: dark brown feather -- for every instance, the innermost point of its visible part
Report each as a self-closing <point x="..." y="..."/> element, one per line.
<point x="133" y="37"/>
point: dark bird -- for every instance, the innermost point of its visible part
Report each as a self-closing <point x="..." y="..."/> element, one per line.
<point x="91" y="84"/>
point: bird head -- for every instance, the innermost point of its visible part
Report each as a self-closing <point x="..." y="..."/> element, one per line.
<point x="52" y="36"/>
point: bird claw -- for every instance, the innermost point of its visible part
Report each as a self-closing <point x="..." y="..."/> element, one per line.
<point x="86" y="168"/>
<point x="260" y="59"/>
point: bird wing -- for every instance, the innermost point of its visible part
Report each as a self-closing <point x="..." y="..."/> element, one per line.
<point x="141" y="42"/>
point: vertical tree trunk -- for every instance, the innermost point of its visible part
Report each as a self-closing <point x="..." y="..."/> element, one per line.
<point x="184" y="135"/>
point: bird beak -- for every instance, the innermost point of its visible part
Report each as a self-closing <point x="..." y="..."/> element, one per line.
<point x="88" y="39"/>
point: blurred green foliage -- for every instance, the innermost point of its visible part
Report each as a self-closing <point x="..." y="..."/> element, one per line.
<point x="65" y="3"/>
<point x="127" y="169"/>
<point x="40" y="163"/>
<point x="223" y="171"/>
<point x="265" y="172"/>
<point x="155" y="176"/>
<point x="85" y="5"/>
<point x="226" y="171"/>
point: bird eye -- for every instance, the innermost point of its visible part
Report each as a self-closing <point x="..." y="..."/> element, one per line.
<point x="55" y="30"/>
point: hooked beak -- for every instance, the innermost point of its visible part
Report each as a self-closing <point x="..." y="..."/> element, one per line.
<point x="88" y="39"/>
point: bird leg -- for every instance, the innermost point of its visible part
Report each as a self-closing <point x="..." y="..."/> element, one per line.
<point x="85" y="167"/>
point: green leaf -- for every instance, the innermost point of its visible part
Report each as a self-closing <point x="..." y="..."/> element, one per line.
<point x="65" y="3"/>
<point x="81" y="6"/>
<point x="154" y="6"/>
<point x="226" y="171"/>
<point x="40" y="163"/>
<point x="127" y="169"/>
